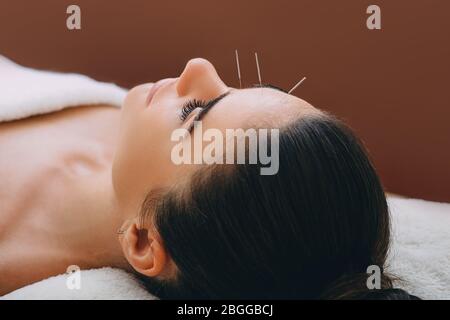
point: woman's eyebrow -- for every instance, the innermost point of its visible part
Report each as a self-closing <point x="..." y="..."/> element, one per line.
<point x="213" y="102"/>
<point x="210" y="105"/>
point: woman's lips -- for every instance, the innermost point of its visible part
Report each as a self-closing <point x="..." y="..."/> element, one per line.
<point x="156" y="86"/>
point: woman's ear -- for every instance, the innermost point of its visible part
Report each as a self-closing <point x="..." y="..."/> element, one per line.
<point x="144" y="250"/>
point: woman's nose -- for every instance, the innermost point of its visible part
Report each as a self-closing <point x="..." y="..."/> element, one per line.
<point x="199" y="79"/>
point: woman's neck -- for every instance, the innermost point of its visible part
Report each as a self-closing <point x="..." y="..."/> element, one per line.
<point x="94" y="222"/>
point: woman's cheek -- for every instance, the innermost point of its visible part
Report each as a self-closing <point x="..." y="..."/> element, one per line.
<point x="140" y="159"/>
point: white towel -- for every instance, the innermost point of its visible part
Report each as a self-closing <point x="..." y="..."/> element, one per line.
<point x="95" y="284"/>
<point x="421" y="229"/>
<point x="25" y="92"/>
<point x="420" y="249"/>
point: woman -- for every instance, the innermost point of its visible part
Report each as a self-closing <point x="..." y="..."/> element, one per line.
<point x="84" y="193"/>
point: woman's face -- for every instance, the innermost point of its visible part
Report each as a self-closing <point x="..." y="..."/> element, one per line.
<point x="152" y="112"/>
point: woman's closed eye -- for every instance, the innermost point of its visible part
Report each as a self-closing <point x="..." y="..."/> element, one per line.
<point x="204" y="106"/>
<point x="190" y="106"/>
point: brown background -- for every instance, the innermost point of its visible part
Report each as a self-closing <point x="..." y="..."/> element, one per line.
<point x="392" y="86"/>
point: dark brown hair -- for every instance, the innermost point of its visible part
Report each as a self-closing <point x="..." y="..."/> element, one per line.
<point x="308" y="232"/>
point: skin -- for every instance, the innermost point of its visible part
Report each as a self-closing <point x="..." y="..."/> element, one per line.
<point x="98" y="164"/>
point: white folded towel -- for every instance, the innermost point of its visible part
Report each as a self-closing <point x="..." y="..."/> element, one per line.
<point x="25" y="92"/>
<point x="420" y="252"/>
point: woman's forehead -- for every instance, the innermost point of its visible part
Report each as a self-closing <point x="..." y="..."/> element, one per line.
<point x="255" y="104"/>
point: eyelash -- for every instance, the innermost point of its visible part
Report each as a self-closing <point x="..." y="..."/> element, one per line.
<point x="190" y="106"/>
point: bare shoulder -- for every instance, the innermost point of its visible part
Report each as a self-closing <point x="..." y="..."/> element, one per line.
<point x="40" y="158"/>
